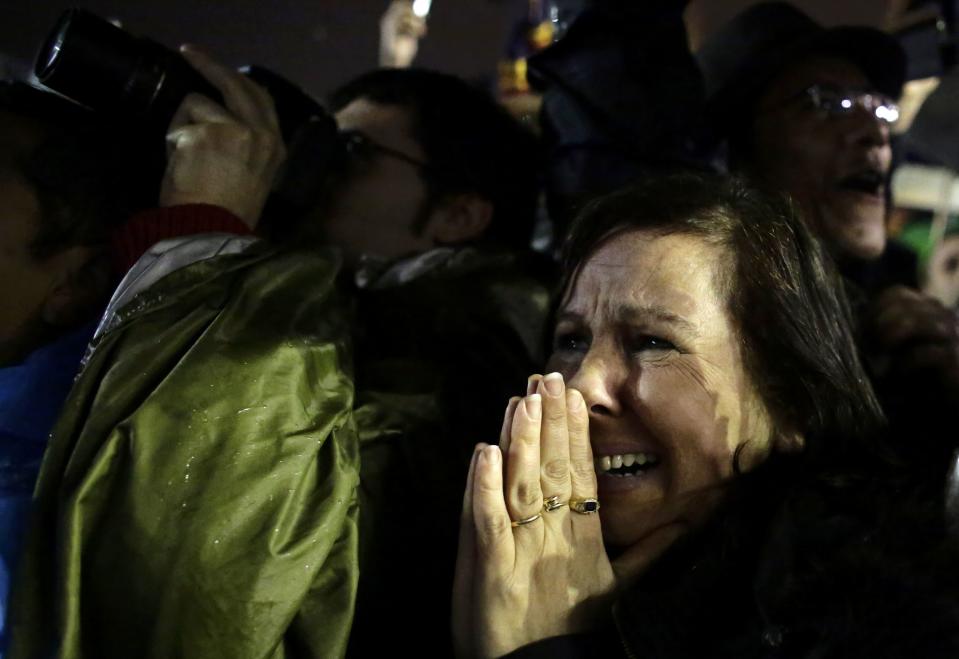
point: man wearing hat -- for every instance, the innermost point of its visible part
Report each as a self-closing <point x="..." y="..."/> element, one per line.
<point x="808" y="111"/>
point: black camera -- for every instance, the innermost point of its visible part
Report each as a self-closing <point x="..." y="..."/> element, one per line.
<point x="97" y="64"/>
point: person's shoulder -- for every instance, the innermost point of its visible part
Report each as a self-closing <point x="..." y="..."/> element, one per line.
<point x="496" y="283"/>
<point x="503" y="295"/>
<point x="184" y="269"/>
<point x="464" y="285"/>
<point x="801" y="556"/>
<point x="858" y="562"/>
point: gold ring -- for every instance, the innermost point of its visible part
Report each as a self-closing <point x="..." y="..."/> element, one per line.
<point x="552" y="503"/>
<point x="521" y="522"/>
<point x="584" y="506"/>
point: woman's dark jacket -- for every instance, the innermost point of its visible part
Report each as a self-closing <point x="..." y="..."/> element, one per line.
<point x="801" y="561"/>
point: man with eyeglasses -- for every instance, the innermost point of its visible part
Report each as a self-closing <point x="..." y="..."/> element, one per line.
<point x="432" y="162"/>
<point x="808" y="111"/>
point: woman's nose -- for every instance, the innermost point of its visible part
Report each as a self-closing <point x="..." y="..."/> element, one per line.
<point x="599" y="378"/>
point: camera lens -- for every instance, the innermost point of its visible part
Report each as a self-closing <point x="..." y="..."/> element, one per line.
<point x="89" y="60"/>
<point x="49" y="54"/>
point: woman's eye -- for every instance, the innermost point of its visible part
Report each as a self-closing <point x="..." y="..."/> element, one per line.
<point x="647" y="343"/>
<point x="570" y="342"/>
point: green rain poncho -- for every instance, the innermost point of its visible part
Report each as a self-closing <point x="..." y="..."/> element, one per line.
<point x="199" y="495"/>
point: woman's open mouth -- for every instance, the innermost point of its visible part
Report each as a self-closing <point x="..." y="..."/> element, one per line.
<point x="622" y="472"/>
<point x="625" y="465"/>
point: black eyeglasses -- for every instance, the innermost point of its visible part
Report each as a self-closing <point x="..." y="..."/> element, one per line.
<point x="364" y="148"/>
<point x="837" y="102"/>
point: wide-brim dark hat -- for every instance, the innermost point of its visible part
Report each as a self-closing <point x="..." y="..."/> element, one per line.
<point x="740" y="60"/>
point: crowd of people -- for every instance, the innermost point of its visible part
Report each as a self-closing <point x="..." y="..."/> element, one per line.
<point x="731" y="419"/>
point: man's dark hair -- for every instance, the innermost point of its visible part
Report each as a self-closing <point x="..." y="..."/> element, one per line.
<point x="83" y="172"/>
<point x="471" y="142"/>
<point x="783" y="295"/>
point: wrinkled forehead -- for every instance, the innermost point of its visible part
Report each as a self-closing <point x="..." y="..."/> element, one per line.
<point x="676" y="270"/>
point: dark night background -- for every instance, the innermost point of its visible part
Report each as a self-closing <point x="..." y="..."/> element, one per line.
<point x="321" y="43"/>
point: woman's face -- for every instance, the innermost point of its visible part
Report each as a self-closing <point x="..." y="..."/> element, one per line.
<point x="645" y="335"/>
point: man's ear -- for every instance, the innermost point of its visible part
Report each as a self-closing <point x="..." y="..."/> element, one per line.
<point x="460" y="218"/>
<point x="81" y="277"/>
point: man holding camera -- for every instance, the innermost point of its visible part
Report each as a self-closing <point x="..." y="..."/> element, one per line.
<point x="203" y="494"/>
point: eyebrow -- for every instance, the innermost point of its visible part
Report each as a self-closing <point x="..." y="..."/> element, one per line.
<point x="630" y="313"/>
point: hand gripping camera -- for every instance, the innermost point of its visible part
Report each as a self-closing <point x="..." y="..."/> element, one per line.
<point x="99" y="65"/>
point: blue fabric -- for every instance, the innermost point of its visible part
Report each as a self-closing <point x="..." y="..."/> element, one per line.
<point x="31" y="395"/>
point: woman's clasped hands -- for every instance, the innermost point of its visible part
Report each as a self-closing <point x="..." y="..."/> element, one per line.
<point x="531" y="561"/>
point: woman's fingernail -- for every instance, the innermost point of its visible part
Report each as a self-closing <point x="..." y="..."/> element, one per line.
<point x="534" y="406"/>
<point x="532" y="382"/>
<point x="574" y="400"/>
<point x="554" y="384"/>
<point x="492" y="454"/>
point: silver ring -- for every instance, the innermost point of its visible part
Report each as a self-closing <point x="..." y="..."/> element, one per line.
<point x="552" y="503"/>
